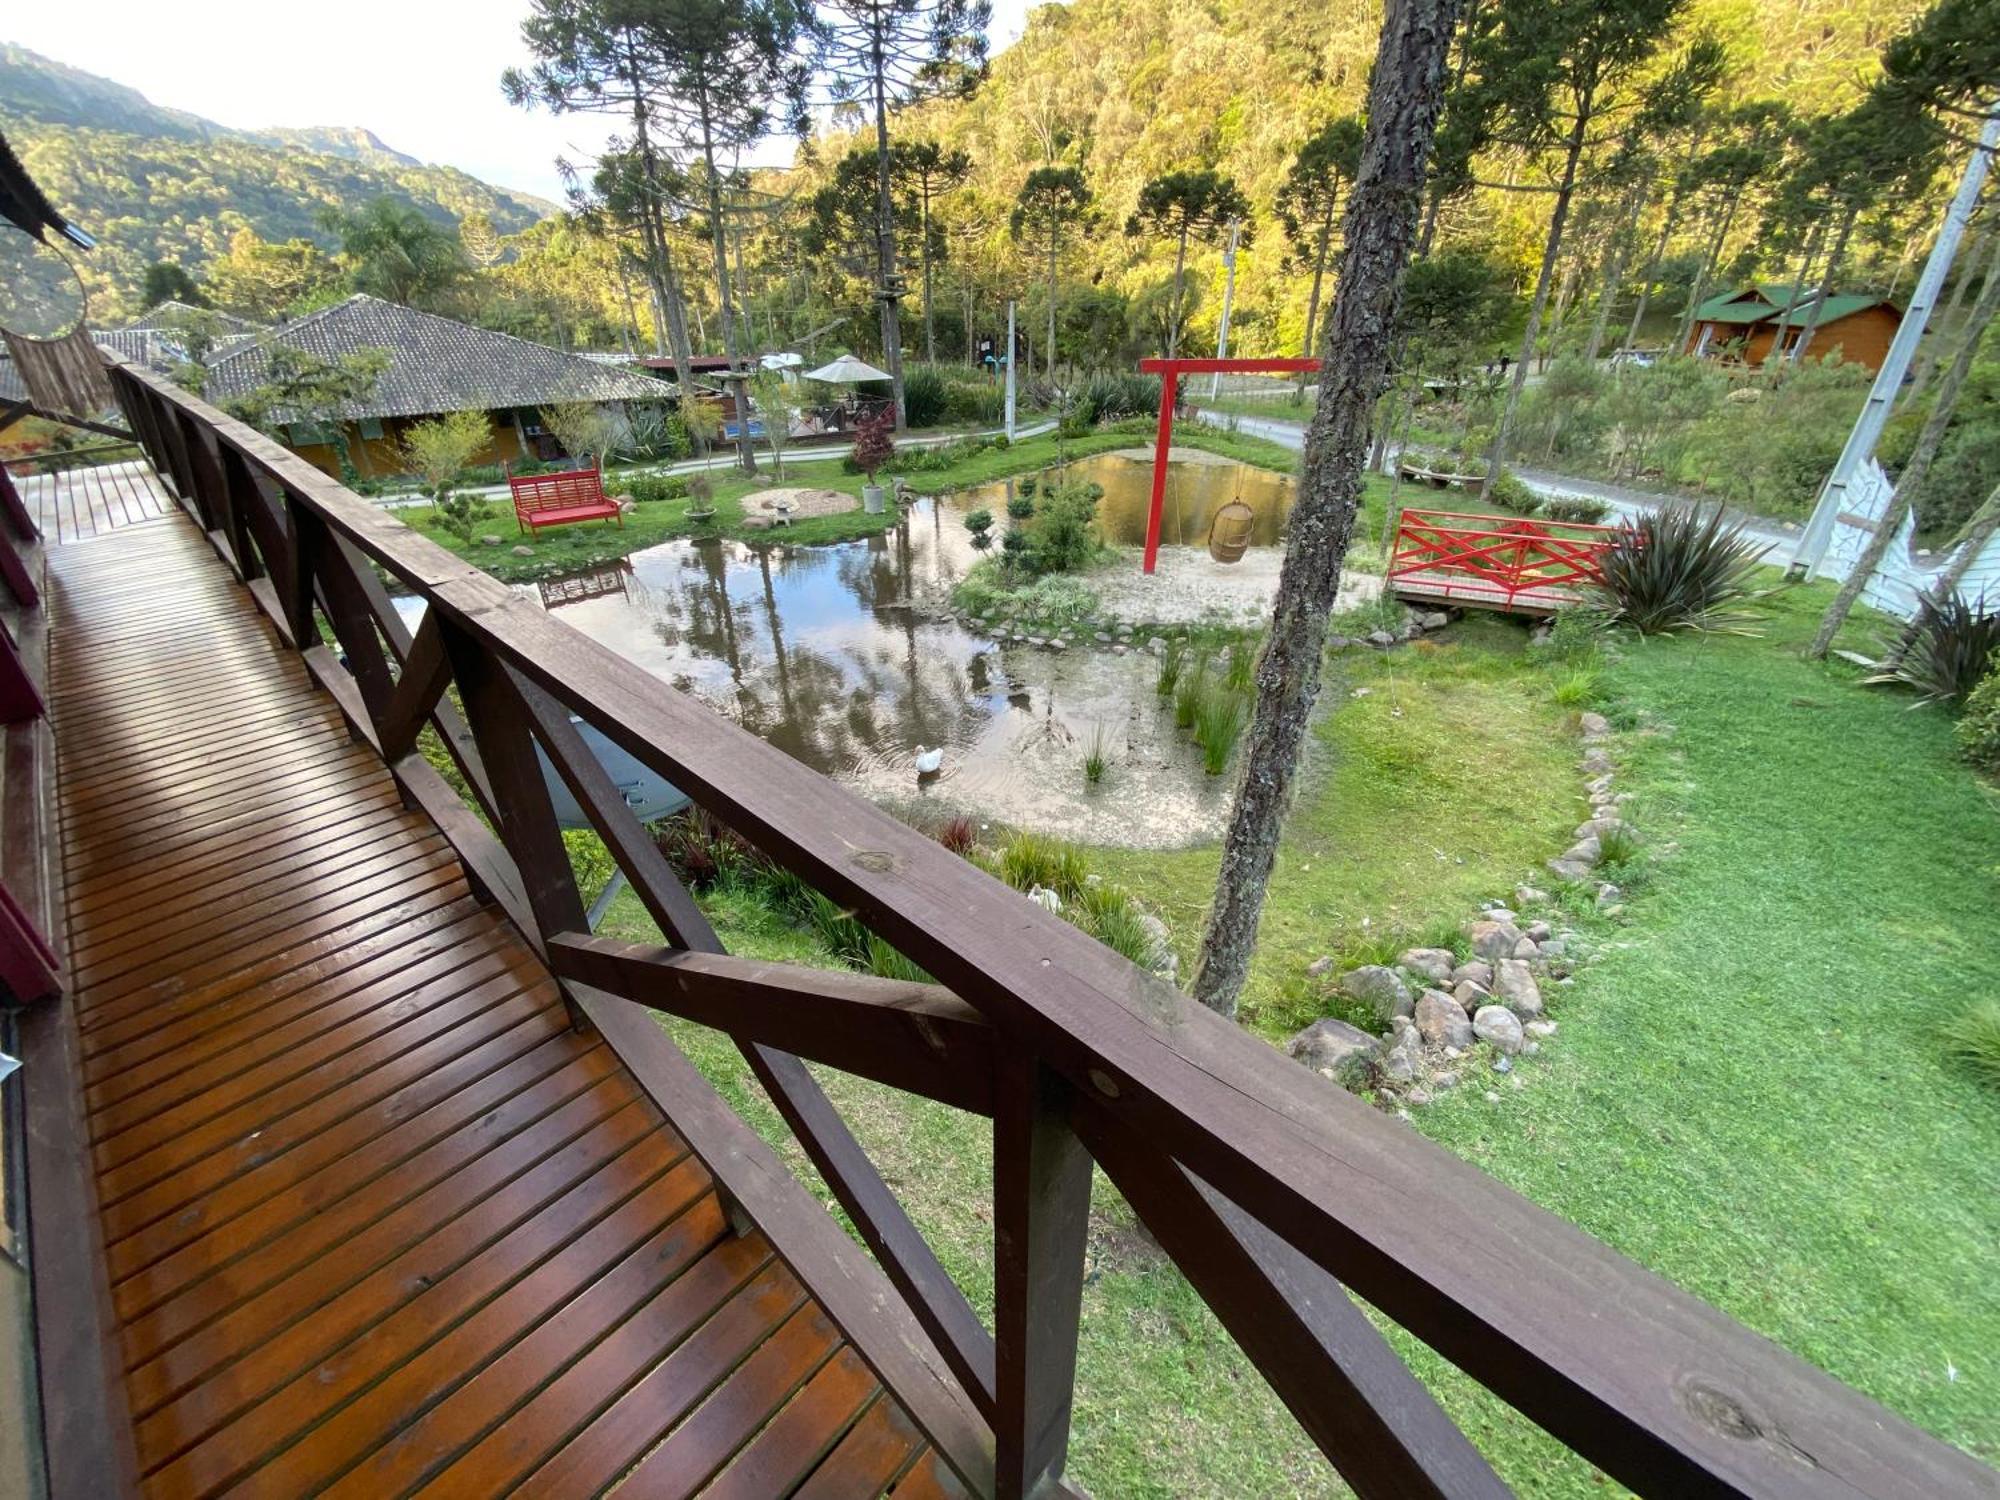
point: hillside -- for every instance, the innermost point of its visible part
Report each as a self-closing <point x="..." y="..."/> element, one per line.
<point x="161" y="184"/>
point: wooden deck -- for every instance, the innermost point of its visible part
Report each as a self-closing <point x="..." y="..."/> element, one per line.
<point x="377" y="1220"/>
<point x="1457" y="590"/>
<point x="75" y="505"/>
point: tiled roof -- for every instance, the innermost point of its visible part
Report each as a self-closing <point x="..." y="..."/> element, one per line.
<point x="171" y="314"/>
<point x="435" y="364"/>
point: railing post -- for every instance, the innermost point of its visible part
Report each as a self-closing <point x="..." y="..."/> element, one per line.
<point x="1041" y="1216"/>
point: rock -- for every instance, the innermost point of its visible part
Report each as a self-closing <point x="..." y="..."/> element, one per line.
<point x="1503" y="1064"/>
<point x="1037" y="640"/>
<point x="1601" y="784"/>
<point x="1569" y="869"/>
<point x="1319" y="967"/>
<point x="524" y="551"/>
<point x="1597" y="761"/>
<point x="1445" y="1080"/>
<point x="1469" y="995"/>
<point x="1420" y="1096"/>
<point x="1491" y="1097"/>
<point x="1057" y="643"/>
<point x="628" y="507"/>
<point x="489" y="541"/>
<point x="1514" y="986"/>
<point x="1524" y="950"/>
<point x="1493" y="941"/>
<point x="1401" y="1061"/>
<point x="1607" y="894"/>
<point x="1120" y="650"/>
<point x="1528" y="895"/>
<point x="1540" y="1028"/>
<point x="1500" y="1026"/>
<point x="1338" y="643"/>
<point x="1597" y="828"/>
<point x="1379" y="988"/>
<point x="1595" y="726"/>
<point x="1381" y="638"/>
<point x="1434" y="964"/>
<point x="1498" y="914"/>
<point x="1103" y="637"/>
<point x="1442" y="1021"/>
<point x="1336" y="1050"/>
<point x="1477" y="972"/>
<point x="1157" y="646"/>
<point x="1585" y="851"/>
<point x="1539" y="931"/>
<point x="1435" y="619"/>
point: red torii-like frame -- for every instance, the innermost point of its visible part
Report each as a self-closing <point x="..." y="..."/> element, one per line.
<point x="1170" y="372"/>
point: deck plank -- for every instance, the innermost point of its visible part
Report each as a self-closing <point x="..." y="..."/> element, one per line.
<point x="376" y="1219"/>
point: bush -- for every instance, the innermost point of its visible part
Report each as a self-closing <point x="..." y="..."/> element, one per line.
<point x="1576" y="509"/>
<point x="1979" y="725"/>
<point x="924" y="396"/>
<point x="1573" y="634"/>
<point x="1509" y="493"/>
<point x="1111" y="396"/>
<point x="648" y="489"/>
<point x="1946" y="650"/>
<point x="1686" y="568"/>
<point x="1974" y="1039"/>
<point x="1064" y="538"/>
<point x="980" y="524"/>
<point x="873" y="445"/>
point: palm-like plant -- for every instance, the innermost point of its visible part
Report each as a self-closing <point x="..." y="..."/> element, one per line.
<point x="1945" y="650"/>
<point x="1681" y="569"/>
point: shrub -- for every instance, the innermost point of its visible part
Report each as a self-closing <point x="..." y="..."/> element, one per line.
<point x="1063" y="538"/>
<point x="1113" y="395"/>
<point x="925" y="401"/>
<point x="1974" y="1038"/>
<point x="1240" y="675"/>
<point x="957" y="835"/>
<point x="1219" y="720"/>
<point x="1573" y="634"/>
<point x="1618" y="847"/>
<point x="649" y="489"/>
<point x="1576" y="688"/>
<point x="980" y="524"/>
<point x="1027" y="492"/>
<point x="1020" y="506"/>
<point x="1509" y="493"/>
<point x="1577" y="509"/>
<point x="873" y="446"/>
<point x="1979" y="724"/>
<point x="1686" y="568"/>
<point x="1031" y="859"/>
<point x="1945" y="650"/>
<point x="1110" y="916"/>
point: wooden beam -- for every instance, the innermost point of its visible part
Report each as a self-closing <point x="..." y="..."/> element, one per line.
<point x="1041" y="1220"/>
<point x="1350" y="1391"/>
<point x="914" y="1037"/>
<point x="424" y="678"/>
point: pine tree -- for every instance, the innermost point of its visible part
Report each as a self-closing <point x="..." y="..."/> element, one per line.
<point x="1309" y="199"/>
<point x="1183" y="206"/>
<point x="1052" y="202"/>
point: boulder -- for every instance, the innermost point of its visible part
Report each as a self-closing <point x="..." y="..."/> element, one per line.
<point x="1157" y="646"/>
<point x="524" y="551"/>
<point x="1524" y="950"/>
<point x="1336" y="1050"/>
<point x="1381" y="638"/>
<point x="1597" y="761"/>
<point x="1539" y="931"/>
<point x="1540" y="1029"/>
<point x="1585" y="851"/>
<point x="1528" y="895"/>
<point x="1445" y="1080"/>
<point x="1382" y="990"/>
<point x="1477" y="971"/>
<point x="1569" y="869"/>
<point x="489" y="541"/>
<point x="1607" y="894"/>
<point x="1598" y="785"/>
<point x="1057" y="643"/>
<point x="1597" y="828"/>
<point x="1319" y="967"/>
<point x="1594" y="726"/>
<point x="1435" y="619"/>
<point x="1442" y="1021"/>
<point x="1404" y="1057"/>
<point x="1469" y="995"/>
<point x="1493" y="941"/>
<point x="1514" y="987"/>
<point x="1500" y="1026"/>
<point x="1435" y="964"/>
<point x="1498" y="913"/>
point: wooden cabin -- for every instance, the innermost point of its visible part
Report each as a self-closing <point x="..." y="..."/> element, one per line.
<point x="1742" y="327"/>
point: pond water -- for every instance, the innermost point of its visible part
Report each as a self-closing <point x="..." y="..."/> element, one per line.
<point x="831" y="653"/>
<point x="1198" y="485"/>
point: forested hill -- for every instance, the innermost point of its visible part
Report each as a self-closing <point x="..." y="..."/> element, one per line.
<point x="161" y="184"/>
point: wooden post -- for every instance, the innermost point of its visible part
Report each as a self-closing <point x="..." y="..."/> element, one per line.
<point x="1041" y="1214"/>
<point x="1162" y="441"/>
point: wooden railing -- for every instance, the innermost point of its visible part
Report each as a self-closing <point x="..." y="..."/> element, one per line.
<point x="1276" y="1193"/>
<point x="1487" y="558"/>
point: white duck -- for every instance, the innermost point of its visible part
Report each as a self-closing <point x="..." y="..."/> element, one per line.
<point x="928" y="762"/>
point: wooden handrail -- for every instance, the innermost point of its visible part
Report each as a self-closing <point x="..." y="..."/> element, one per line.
<point x="1657" y="1388"/>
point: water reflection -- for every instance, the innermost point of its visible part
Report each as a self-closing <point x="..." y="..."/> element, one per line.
<point x="1198" y="485"/>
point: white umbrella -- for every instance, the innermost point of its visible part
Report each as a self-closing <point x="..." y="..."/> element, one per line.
<point x="846" y="370"/>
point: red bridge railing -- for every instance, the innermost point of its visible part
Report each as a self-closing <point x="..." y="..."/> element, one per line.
<point x="1500" y="561"/>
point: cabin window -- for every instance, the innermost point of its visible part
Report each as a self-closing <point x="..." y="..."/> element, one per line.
<point x="371" y="427"/>
<point x="305" y="434"/>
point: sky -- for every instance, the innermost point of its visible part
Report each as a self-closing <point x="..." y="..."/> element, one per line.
<point x="424" y="75"/>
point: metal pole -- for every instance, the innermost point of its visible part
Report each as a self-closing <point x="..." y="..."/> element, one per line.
<point x="1010" y="371"/>
<point x="1868" y="426"/>
<point x="1228" y="299"/>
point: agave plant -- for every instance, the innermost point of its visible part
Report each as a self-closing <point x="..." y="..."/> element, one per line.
<point x="1945" y="650"/>
<point x="1681" y="569"/>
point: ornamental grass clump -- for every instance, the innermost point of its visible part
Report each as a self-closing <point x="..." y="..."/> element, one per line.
<point x="1685" y="568"/>
<point x="1219" y="721"/>
<point x="1974" y="1039"/>
<point x="1945" y="650"/>
<point x="1173" y="665"/>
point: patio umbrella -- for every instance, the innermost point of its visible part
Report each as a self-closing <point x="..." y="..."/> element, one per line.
<point x="846" y="370"/>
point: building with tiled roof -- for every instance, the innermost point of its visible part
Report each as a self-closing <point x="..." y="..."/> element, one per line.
<point x="1742" y="326"/>
<point x="437" y="365"/>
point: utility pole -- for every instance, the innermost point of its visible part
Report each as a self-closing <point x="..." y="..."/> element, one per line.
<point x="1010" y="370"/>
<point x="1874" y="416"/>
<point x="1228" y="299"/>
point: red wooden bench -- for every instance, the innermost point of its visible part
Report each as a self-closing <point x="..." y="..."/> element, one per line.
<point x="558" y="499"/>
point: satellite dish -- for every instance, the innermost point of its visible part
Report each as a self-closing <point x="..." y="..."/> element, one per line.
<point x="41" y="295"/>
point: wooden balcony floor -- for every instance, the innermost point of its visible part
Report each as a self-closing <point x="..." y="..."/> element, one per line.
<point x="378" y="1222"/>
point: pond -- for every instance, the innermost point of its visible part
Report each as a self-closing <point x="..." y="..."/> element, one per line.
<point x="838" y="655"/>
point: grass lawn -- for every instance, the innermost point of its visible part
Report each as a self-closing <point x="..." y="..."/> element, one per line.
<point x="1749" y="1093"/>
<point x="570" y="549"/>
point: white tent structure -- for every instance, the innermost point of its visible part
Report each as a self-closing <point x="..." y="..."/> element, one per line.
<point x="846" y="371"/>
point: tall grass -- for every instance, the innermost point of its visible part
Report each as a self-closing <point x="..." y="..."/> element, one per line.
<point x="1109" y="915"/>
<point x="1173" y="665"/>
<point x="1188" y="696"/>
<point x="1240" y="675"/>
<point x="1974" y="1038"/>
<point x="1577" y="688"/>
<point x="1219" y="721"/>
<point x="1096" y="755"/>
<point x="1030" y="859"/>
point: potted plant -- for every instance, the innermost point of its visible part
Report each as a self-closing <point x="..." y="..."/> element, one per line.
<point x="873" y="448"/>
<point x="701" y="498"/>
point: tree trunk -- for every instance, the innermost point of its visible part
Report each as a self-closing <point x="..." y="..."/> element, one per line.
<point x="1496" y="454"/>
<point x="1405" y="93"/>
<point x="1319" y="277"/>
<point x="924" y="247"/>
<point x="1929" y="441"/>
<point x="1699" y="290"/>
<point x="1775" y="355"/>
<point x="718" y="233"/>
<point x="885" y="236"/>
<point x="1054" y="244"/>
<point x="1827" y="281"/>
<point x="1928" y="368"/>
<point x="1614" y="269"/>
<point x="1174" y="314"/>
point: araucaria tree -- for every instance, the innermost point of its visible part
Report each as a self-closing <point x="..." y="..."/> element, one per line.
<point x="1310" y="198"/>
<point x="881" y="56"/>
<point x="729" y="71"/>
<point x="1051" y="203"/>
<point x="1183" y="206"/>
<point x="928" y="171"/>
<point x="1555" y="72"/>
<point x="1403" y="99"/>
